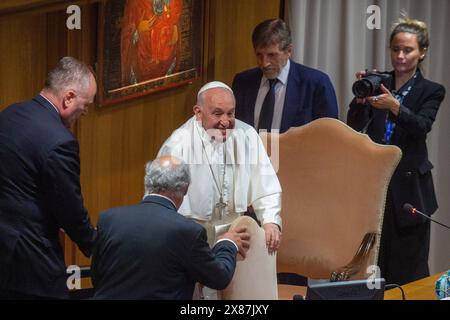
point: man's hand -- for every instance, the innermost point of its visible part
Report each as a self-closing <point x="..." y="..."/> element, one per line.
<point x="241" y="237"/>
<point x="273" y="237"/>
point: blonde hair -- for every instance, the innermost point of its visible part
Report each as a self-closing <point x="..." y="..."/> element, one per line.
<point x="417" y="27"/>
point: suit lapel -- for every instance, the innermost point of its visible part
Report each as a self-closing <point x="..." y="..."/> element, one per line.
<point x="250" y="98"/>
<point x="290" y="98"/>
<point x="410" y="102"/>
<point x="415" y="94"/>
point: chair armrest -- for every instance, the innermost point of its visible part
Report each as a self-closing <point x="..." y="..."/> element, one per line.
<point x="344" y="273"/>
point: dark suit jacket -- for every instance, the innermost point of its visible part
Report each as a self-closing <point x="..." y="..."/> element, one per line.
<point x="39" y="193"/>
<point x="412" y="181"/>
<point x="309" y="96"/>
<point x="149" y="251"/>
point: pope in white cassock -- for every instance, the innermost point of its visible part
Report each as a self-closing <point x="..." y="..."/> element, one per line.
<point x="229" y="166"/>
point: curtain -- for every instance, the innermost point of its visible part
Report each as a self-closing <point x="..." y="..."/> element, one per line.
<point x="333" y="36"/>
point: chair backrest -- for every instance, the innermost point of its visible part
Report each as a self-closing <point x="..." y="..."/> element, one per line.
<point x="255" y="277"/>
<point x="334" y="182"/>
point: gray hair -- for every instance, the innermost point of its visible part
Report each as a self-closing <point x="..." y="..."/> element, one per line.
<point x="69" y="73"/>
<point x="272" y="31"/>
<point x="160" y="177"/>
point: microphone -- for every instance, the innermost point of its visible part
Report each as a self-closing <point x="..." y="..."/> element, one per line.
<point x="411" y="210"/>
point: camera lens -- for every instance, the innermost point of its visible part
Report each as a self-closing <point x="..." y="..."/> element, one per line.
<point x="370" y="85"/>
<point x="362" y="88"/>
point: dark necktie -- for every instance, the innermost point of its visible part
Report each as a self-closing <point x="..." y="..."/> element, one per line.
<point x="266" y="115"/>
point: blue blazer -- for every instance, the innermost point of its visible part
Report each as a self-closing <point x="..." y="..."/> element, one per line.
<point x="39" y="194"/>
<point x="309" y="95"/>
<point x="150" y="251"/>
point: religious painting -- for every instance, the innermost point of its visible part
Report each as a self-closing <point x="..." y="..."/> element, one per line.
<point x="146" y="46"/>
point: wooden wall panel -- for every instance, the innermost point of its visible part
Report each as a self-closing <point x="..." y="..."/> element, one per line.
<point x="22" y="5"/>
<point x="23" y="57"/>
<point x="234" y="24"/>
<point x="26" y="7"/>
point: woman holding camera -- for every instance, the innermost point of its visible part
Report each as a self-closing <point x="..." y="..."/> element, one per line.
<point x="403" y="117"/>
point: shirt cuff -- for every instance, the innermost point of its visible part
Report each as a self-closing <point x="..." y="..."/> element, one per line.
<point x="268" y="209"/>
<point x="224" y="239"/>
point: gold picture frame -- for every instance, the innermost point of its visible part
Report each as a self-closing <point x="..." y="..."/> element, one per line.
<point x="146" y="46"/>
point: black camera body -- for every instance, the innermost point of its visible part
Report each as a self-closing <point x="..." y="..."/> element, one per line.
<point x="370" y="84"/>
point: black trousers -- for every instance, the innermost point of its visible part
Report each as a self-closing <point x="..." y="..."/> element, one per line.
<point x="403" y="255"/>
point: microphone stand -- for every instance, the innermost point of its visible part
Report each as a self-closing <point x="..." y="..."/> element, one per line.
<point x="416" y="211"/>
<point x="410" y="209"/>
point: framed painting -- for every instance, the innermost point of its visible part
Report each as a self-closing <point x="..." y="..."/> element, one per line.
<point x="146" y="46"/>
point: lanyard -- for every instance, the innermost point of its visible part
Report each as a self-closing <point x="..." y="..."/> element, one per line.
<point x="400" y="96"/>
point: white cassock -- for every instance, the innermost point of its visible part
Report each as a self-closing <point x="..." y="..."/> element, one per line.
<point x="237" y="170"/>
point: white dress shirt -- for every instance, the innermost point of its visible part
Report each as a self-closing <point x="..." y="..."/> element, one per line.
<point x="280" y="94"/>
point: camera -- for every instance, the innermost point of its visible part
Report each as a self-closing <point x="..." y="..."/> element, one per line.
<point x="370" y="84"/>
